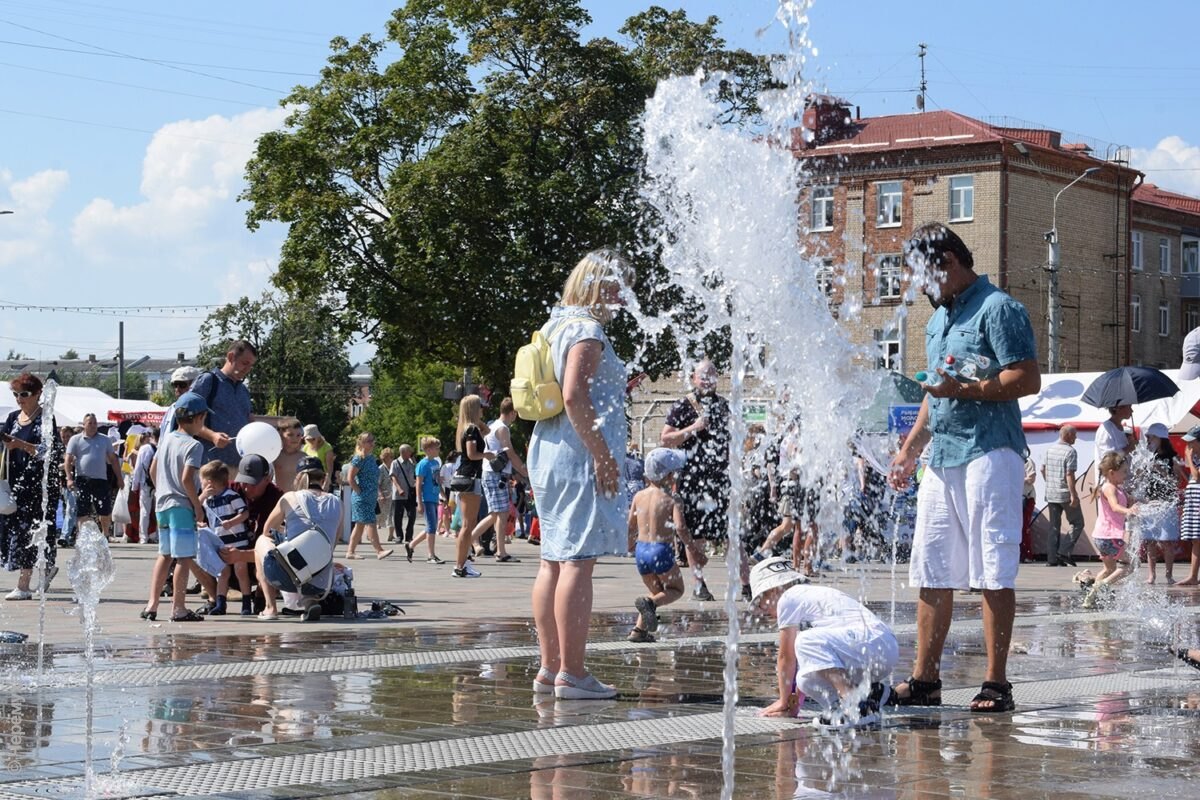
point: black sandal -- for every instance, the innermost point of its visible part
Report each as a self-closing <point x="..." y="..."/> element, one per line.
<point x="149" y="615"/>
<point x="920" y="693"/>
<point x="188" y="616"/>
<point x="998" y="694"/>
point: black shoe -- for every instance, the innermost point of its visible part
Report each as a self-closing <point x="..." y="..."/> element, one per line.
<point x="64" y="543"/>
<point x="1071" y="560"/>
<point x="149" y="615"/>
<point x="312" y="613"/>
<point x="408" y="552"/>
<point x="194" y="589"/>
<point x="701" y="592"/>
<point x="746" y="594"/>
<point x="290" y="612"/>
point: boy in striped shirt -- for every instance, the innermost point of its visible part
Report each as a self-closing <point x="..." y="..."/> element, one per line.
<point x="227" y="515"/>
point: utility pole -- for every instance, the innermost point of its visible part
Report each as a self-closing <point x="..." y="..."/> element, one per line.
<point x="1052" y="264"/>
<point x="121" y="360"/>
<point x="921" y="50"/>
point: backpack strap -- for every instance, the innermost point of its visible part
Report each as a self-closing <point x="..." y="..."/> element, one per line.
<point x="304" y="516"/>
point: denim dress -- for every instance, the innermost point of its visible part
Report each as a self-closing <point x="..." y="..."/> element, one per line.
<point x="577" y="522"/>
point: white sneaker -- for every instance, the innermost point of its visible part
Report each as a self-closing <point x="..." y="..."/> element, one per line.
<point x="583" y="688"/>
<point x="466" y="572"/>
<point x="19" y="594"/>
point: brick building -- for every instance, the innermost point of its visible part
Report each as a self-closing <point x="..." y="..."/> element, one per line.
<point x="873" y="180"/>
<point x="1164" y="264"/>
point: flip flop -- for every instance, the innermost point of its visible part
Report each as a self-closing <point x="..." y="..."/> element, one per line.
<point x="267" y="616"/>
<point x="384" y="554"/>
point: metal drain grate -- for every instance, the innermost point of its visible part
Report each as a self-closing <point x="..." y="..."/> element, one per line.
<point x="155" y="676"/>
<point x="255" y="774"/>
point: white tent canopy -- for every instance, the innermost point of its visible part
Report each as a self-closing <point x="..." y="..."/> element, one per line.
<point x="71" y="403"/>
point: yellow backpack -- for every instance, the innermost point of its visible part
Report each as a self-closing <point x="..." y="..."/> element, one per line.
<point x="535" y="392"/>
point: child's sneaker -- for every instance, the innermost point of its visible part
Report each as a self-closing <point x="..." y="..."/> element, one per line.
<point x="247" y="607"/>
<point x="648" y="616"/>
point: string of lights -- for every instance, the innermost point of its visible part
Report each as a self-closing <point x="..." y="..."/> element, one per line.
<point x="154" y="312"/>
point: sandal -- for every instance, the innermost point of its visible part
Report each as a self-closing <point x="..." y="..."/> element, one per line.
<point x="544" y="682"/>
<point x="639" y="635"/>
<point x="998" y="694"/>
<point x="838" y="719"/>
<point x="507" y="559"/>
<point x="1182" y="655"/>
<point x="920" y="693"/>
<point x="187" y="616"/>
<point x="149" y="615"/>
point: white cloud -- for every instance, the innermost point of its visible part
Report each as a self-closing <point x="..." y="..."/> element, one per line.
<point x="191" y="175"/>
<point x="1172" y="164"/>
<point x="27" y="234"/>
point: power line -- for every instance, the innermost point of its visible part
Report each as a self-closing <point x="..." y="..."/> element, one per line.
<point x="109" y="126"/>
<point x="140" y="58"/>
<point x="130" y="85"/>
<point x="107" y="9"/>
<point x="158" y="61"/>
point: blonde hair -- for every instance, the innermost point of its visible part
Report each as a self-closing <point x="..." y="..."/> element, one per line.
<point x="586" y="281"/>
<point x="430" y="441"/>
<point x="387" y="454"/>
<point x="216" y="471"/>
<point x="1112" y="461"/>
<point x="470" y="412"/>
<point x="360" y="444"/>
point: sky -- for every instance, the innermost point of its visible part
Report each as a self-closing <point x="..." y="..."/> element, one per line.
<point x="125" y="125"/>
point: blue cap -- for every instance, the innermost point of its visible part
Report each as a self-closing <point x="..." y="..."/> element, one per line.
<point x="191" y="403"/>
<point x="662" y="461"/>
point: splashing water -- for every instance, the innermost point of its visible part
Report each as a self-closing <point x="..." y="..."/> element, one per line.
<point x="41" y="530"/>
<point x="726" y="201"/>
<point x="90" y="571"/>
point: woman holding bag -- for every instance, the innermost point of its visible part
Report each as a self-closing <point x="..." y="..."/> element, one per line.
<point x="25" y="455"/>
<point x="575" y="467"/>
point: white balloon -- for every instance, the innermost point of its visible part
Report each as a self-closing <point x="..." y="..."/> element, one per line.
<point x="260" y="439"/>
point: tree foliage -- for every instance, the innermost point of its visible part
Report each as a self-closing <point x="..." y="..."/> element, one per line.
<point x="407" y="404"/>
<point x="135" y="382"/>
<point x="302" y="368"/>
<point x="437" y="198"/>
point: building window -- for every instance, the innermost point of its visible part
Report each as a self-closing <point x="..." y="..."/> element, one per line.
<point x="825" y="278"/>
<point x="1135" y="313"/>
<point x="1191" y="256"/>
<point x="822" y="209"/>
<point x="888" y="197"/>
<point x="1164" y="318"/>
<point x="888" y="345"/>
<point x="1135" y="254"/>
<point x="1191" y="317"/>
<point x="889" y="277"/>
<point x="1164" y="256"/>
<point x="962" y="198"/>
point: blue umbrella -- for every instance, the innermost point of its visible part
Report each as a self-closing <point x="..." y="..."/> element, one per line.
<point x="1127" y="386"/>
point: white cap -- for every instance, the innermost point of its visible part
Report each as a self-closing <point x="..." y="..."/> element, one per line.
<point x="185" y="375"/>
<point x="662" y="461"/>
<point x="1158" y="430"/>
<point x="772" y="573"/>
<point x="1190" y="368"/>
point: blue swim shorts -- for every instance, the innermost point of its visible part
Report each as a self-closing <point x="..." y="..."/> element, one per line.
<point x="654" y="558"/>
<point x="177" y="533"/>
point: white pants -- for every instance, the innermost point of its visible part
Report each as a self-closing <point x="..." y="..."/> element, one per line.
<point x="866" y="654"/>
<point x="145" y="510"/>
<point x="969" y="521"/>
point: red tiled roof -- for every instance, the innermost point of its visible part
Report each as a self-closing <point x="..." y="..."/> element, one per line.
<point x="904" y="132"/>
<point x="1152" y="195"/>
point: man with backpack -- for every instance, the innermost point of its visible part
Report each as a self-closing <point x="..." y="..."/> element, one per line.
<point x="228" y="398"/>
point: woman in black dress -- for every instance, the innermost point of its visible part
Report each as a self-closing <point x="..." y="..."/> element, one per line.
<point x="25" y="452"/>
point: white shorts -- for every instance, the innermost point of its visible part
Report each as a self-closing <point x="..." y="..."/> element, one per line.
<point x="969" y="522"/>
<point x="860" y="651"/>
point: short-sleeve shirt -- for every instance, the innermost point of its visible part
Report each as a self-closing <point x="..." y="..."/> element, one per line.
<point x="1109" y="437"/>
<point x="405" y="474"/>
<point x="141" y="472"/>
<point x="428" y="470"/>
<point x="176" y="451"/>
<point x="1061" y="460"/>
<point x="225" y="506"/>
<point x="808" y="606"/>
<point x="466" y="467"/>
<point x="981" y="321"/>
<point x="91" y="455"/>
<point x="261" y="507"/>
<point x="707" y="466"/>
<point x="229" y="401"/>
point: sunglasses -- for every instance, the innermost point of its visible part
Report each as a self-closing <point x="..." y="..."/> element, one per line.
<point x="23" y="395"/>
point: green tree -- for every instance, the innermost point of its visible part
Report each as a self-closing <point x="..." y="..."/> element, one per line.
<point x="70" y="355"/>
<point x="135" y="382"/>
<point x="406" y="404"/>
<point x="303" y="369"/>
<point x="443" y="197"/>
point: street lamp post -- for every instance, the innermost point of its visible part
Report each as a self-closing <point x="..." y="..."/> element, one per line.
<point x="1052" y="264"/>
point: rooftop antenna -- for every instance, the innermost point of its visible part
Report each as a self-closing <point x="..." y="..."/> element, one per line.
<point x="921" y="50"/>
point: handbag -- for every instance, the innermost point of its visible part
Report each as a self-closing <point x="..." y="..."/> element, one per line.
<point x="7" y="504"/>
<point x="120" y="508"/>
<point x="462" y="483"/>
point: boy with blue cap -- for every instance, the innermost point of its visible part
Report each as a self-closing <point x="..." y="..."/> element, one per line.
<point x="655" y="519"/>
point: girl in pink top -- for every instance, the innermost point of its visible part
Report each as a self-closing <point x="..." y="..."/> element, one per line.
<point x="1109" y="533"/>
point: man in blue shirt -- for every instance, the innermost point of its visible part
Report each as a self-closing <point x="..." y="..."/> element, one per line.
<point x="969" y="520"/>
<point x="229" y="400"/>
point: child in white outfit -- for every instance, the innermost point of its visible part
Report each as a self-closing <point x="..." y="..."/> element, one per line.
<point x="831" y="648"/>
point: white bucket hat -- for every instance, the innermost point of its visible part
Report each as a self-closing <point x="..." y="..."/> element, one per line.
<point x="770" y="574"/>
<point x="662" y="461"/>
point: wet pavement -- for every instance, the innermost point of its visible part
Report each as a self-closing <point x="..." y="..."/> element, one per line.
<point x="442" y="707"/>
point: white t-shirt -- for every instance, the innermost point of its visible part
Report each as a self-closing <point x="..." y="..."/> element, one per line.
<point x="805" y="606"/>
<point x="1109" y="436"/>
<point x="493" y="444"/>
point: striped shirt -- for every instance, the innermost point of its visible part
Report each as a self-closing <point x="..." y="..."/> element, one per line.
<point x="227" y="505"/>
<point x="1061" y="460"/>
